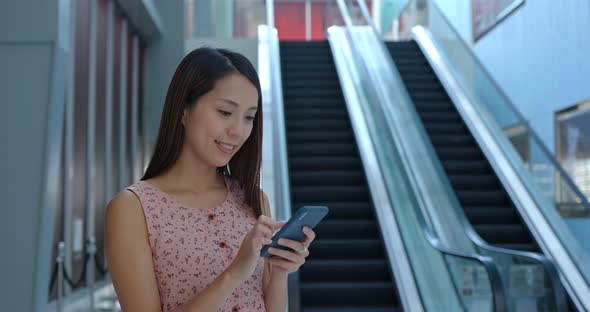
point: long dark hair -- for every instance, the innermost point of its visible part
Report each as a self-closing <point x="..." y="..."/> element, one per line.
<point x="196" y="75"/>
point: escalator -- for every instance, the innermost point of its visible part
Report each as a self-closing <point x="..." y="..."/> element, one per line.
<point x="347" y="269"/>
<point x="478" y="189"/>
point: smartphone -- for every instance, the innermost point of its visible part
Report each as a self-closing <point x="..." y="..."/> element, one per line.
<point x="309" y="216"/>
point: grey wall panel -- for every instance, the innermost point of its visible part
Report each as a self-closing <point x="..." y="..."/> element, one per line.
<point x="80" y="135"/>
<point x="36" y="20"/>
<point x="161" y="58"/>
<point x="24" y="90"/>
<point x="116" y="102"/>
<point x="99" y="186"/>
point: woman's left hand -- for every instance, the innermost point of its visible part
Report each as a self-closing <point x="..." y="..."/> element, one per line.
<point x="289" y="261"/>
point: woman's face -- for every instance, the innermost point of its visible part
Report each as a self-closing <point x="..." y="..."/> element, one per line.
<point x="222" y="120"/>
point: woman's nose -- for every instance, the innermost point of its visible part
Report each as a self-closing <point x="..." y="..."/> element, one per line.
<point x="235" y="128"/>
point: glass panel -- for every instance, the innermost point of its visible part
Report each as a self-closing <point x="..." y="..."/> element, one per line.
<point x="472" y="282"/>
<point x="247" y="15"/>
<point x="440" y="275"/>
<point x="224" y="19"/>
<point x="564" y="198"/>
<point x="527" y="285"/>
<point x="573" y="151"/>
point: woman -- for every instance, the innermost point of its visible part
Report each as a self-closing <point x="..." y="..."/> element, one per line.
<point x="187" y="237"/>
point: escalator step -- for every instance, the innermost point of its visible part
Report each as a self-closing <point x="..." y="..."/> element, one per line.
<point x="458" y="153"/>
<point x="320" y="75"/>
<point x="521" y="247"/>
<point x="359" y="293"/>
<point x="303" y="64"/>
<point x="294" y="53"/>
<point x="313" y="58"/>
<point x="311" y="84"/>
<point x="325" y="125"/>
<point x="491" y="215"/>
<point x="474" y="182"/>
<point x="429" y="96"/>
<point x="465" y="167"/>
<point x="487" y="197"/>
<point x="325" y="163"/>
<point x="439" y="117"/>
<point x="451" y="140"/>
<point x="345" y="271"/>
<point x="323" y="136"/>
<point x="346" y="249"/>
<point x="411" y="61"/>
<point x="445" y="128"/>
<point x="503" y="233"/>
<point x="482" y="196"/>
<point x="329" y="193"/>
<point x="312" y="93"/>
<point x="348" y="256"/>
<point x="417" y="77"/>
<point x="434" y="105"/>
<point x="347" y="229"/>
<point x="300" y="103"/>
<point x="329" y="178"/>
<point x="351" y="308"/>
<point x="320" y="113"/>
<point x="414" y="68"/>
<point x="322" y="149"/>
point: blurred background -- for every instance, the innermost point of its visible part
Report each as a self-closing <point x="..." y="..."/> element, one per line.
<point x="470" y="118"/>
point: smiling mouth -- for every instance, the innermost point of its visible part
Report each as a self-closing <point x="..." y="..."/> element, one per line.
<point x="225" y="147"/>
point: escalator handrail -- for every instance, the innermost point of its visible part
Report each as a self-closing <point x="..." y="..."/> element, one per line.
<point x="512" y="107"/>
<point x="548" y="266"/>
<point x="499" y="299"/>
<point x="496" y="286"/>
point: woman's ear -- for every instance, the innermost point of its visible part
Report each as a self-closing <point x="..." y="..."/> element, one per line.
<point x="183" y="118"/>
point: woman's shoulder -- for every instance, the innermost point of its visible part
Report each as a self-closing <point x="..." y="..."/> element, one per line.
<point x="124" y="204"/>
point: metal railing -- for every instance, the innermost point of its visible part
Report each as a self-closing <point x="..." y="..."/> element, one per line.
<point x="401" y="196"/>
<point x="539" y="187"/>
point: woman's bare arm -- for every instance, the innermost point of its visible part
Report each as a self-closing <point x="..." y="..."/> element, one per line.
<point x="130" y="261"/>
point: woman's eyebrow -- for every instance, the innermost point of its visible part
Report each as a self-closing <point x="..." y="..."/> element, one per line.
<point x="236" y="104"/>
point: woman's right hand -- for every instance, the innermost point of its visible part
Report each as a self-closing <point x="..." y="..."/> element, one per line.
<point x="246" y="260"/>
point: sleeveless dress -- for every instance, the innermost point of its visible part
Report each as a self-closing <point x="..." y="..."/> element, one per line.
<point x="191" y="246"/>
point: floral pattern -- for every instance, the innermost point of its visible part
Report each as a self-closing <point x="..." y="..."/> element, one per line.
<point x="192" y="246"/>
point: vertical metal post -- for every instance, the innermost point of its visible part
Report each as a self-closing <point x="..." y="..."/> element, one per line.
<point x="307" y="20"/>
<point x="135" y="159"/>
<point x="123" y="165"/>
<point x="69" y="147"/>
<point x="91" y="249"/>
<point x="90" y="147"/>
<point x="60" y="277"/>
<point x="108" y="180"/>
<point x="367" y="16"/>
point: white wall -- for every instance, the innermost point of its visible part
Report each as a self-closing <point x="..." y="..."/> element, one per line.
<point x="538" y="55"/>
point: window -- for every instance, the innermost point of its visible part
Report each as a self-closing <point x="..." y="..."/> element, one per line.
<point x="573" y="144"/>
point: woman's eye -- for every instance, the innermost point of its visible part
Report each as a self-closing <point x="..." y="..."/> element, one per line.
<point x="250" y="118"/>
<point x="224" y="113"/>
